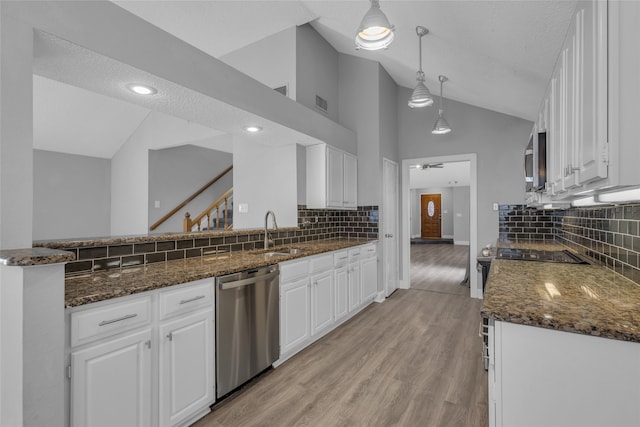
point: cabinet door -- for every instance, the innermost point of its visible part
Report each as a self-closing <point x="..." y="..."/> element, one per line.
<point x="322" y="301"/>
<point x="111" y="382"/>
<point x="355" y="292"/>
<point x="350" y="181"/>
<point x="335" y="178"/>
<point x="369" y="279"/>
<point x="186" y="362"/>
<point x="341" y="292"/>
<point x="591" y="25"/>
<point x="572" y="107"/>
<point x="294" y="314"/>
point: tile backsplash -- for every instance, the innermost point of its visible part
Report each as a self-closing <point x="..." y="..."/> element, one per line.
<point x="609" y="236"/>
<point x="313" y="224"/>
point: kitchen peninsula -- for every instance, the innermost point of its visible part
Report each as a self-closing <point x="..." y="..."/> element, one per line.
<point x="564" y="345"/>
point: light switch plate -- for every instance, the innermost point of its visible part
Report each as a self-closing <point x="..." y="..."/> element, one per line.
<point x="156" y="204"/>
<point x="243" y="207"/>
<point x="495" y="206"/>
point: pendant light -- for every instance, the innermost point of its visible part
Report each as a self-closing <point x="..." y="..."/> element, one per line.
<point x="375" y="31"/>
<point x="421" y="97"/>
<point x="441" y="126"/>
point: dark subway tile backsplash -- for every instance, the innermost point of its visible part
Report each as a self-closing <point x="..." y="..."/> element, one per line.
<point x="314" y="224"/>
<point x="607" y="235"/>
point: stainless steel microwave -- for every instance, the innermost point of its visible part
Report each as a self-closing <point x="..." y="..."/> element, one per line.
<point x="535" y="162"/>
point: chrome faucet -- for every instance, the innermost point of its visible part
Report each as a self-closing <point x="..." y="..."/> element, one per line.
<point x="267" y="241"/>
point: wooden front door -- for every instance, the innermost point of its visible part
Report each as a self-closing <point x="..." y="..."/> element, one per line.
<point x="430" y="214"/>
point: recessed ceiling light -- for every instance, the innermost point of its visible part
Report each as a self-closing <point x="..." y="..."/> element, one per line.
<point x="141" y="89"/>
<point x="253" y="128"/>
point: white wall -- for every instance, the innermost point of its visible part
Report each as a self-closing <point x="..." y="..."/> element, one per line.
<point x="301" y="154"/>
<point x="358" y="110"/>
<point x="71" y="196"/>
<point x="271" y="61"/>
<point x="176" y="173"/>
<point x="499" y="141"/>
<point x="264" y="179"/>
<point x="317" y="71"/>
<point x="447" y="207"/>
<point x="461" y="231"/>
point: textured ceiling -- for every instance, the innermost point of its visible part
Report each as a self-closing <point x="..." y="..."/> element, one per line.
<point x="498" y="55"/>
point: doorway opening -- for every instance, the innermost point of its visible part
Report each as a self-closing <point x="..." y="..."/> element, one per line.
<point x="450" y="220"/>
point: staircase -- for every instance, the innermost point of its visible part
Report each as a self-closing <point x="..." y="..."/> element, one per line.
<point x="217" y="216"/>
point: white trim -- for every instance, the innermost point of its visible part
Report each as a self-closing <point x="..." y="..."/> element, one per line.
<point x="448" y="236"/>
<point x="461" y="242"/>
<point x="379" y="297"/>
<point x="405" y="242"/>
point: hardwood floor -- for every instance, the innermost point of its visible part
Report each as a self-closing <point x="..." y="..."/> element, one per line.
<point x="439" y="268"/>
<point x="413" y="360"/>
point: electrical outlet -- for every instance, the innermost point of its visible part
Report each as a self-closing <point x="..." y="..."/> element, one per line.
<point x="243" y="208"/>
<point x="156" y="204"/>
<point x="495" y="206"/>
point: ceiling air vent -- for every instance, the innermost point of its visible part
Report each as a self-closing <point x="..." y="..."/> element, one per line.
<point x="321" y="103"/>
<point x="282" y="89"/>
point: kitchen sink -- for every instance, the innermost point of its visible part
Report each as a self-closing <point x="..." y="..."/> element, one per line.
<point x="284" y="252"/>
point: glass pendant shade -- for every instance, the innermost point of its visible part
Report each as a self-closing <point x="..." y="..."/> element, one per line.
<point x="420" y="97"/>
<point x="441" y="126"/>
<point x="375" y="31"/>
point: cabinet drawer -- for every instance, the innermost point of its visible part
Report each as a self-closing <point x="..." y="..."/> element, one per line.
<point x="340" y="258"/>
<point x="321" y="263"/>
<point x="354" y="254"/>
<point x="89" y="325"/>
<point x="368" y="251"/>
<point x="186" y="299"/>
<point x="293" y="270"/>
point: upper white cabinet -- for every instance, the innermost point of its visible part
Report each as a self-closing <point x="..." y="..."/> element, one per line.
<point x="592" y="126"/>
<point x="331" y="178"/>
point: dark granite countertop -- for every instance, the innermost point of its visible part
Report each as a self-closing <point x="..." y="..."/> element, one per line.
<point x="584" y="299"/>
<point x="100" y="286"/>
<point x="34" y="256"/>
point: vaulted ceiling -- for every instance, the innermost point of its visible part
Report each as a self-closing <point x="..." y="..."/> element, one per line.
<point x="498" y="55"/>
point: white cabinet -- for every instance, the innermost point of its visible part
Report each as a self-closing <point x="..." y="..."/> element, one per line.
<point x="143" y="360"/>
<point x="369" y="271"/>
<point x="319" y="292"/>
<point x="295" y="307"/>
<point x="322" y="301"/>
<point x="341" y="284"/>
<point x="577" y="105"/>
<point x="595" y="380"/>
<point x="331" y="178"/>
<point x="186" y="356"/>
<point x="111" y="382"/>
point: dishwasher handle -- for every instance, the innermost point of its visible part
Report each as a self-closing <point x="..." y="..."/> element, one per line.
<point x="247" y="282"/>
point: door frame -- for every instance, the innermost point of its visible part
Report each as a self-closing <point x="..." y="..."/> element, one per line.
<point x="386" y="250"/>
<point x="405" y="242"/>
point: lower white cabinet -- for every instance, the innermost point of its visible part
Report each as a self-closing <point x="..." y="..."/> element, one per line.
<point x="295" y="314"/>
<point x="111" y="382"/>
<point x="322" y="298"/>
<point x="319" y="292"/>
<point x="341" y="292"/>
<point x="143" y="360"/>
<point x="369" y="268"/>
<point x="545" y="377"/>
<point x="186" y="380"/>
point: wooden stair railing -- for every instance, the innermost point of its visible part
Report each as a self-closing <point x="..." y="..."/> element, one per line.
<point x="190" y="198"/>
<point x="189" y="224"/>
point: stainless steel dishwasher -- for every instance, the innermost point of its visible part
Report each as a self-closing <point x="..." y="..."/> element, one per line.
<point x="247" y="325"/>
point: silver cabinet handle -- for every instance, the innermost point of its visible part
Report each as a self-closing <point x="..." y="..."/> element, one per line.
<point x="185" y="301"/>
<point x="245" y="282"/>
<point x="148" y="344"/>
<point x="119" y="319"/>
<point x="170" y="336"/>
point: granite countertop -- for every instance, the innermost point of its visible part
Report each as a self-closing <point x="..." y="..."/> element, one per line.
<point x="103" y="285"/>
<point x="34" y="256"/>
<point x="584" y="299"/>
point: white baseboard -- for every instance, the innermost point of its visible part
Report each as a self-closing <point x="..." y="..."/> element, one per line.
<point x="461" y="242"/>
<point x="415" y="236"/>
<point x="403" y="284"/>
<point x="448" y="236"/>
<point x="380" y="297"/>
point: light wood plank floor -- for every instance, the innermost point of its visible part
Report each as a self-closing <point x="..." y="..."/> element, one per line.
<point x="413" y="360"/>
<point x="439" y="268"/>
